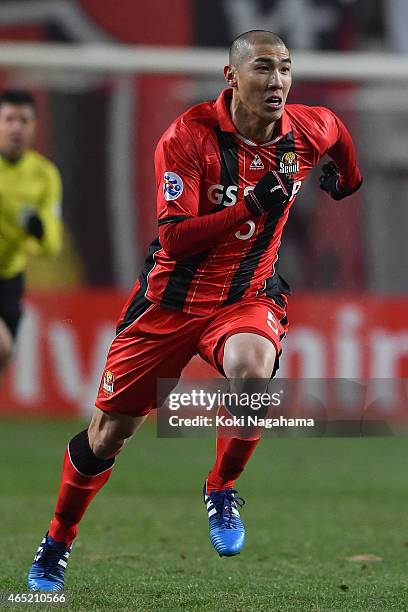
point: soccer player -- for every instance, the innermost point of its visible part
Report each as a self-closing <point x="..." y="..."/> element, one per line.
<point x="30" y="196"/>
<point x="227" y="174"/>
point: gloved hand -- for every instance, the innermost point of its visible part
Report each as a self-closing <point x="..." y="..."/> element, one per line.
<point x="272" y="191"/>
<point x="34" y="226"/>
<point x="329" y="182"/>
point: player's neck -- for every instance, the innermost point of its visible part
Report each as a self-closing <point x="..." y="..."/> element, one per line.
<point x="251" y="126"/>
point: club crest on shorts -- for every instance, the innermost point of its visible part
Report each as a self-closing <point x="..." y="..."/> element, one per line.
<point x="289" y="164"/>
<point x="172" y="186"/>
<point x="108" y="382"/>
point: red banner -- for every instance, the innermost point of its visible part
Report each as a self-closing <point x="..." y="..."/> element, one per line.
<point x="64" y="338"/>
<point x="152" y="23"/>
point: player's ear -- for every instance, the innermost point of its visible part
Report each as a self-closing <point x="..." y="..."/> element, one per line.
<point x="230" y="76"/>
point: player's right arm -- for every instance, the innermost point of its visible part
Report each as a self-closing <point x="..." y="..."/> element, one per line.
<point x="179" y="172"/>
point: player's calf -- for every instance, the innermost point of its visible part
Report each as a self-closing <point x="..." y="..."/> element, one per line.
<point x="84" y="473"/>
<point x="88" y="464"/>
<point x="108" y="433"/>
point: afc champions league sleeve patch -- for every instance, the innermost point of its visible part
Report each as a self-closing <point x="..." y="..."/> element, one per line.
<point x="173" y="186"/>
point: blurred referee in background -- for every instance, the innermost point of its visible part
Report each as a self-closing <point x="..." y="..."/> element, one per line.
<point x="30" y="203"/>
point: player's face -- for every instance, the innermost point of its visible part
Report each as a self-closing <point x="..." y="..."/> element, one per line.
<point x="17" y="125"/>
<point x="263" y="80"/>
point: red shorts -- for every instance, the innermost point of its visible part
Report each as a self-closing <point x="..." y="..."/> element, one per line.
<point x="160" y="343"/>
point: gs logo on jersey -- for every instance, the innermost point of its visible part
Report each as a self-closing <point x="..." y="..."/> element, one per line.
<point x="172" y="186"/>
<point x="289" y="164"/>
<point x="108" y="383"/>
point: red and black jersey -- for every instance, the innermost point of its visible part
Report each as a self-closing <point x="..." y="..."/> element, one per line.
<point x="203" y="166"/>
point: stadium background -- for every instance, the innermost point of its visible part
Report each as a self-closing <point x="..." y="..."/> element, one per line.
<point x="345" y="261"/>
<point x="326" y="518"/>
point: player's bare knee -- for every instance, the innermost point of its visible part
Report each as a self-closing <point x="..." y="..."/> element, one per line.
<point x="250" y="370"/>
<point x="247" y="356"/>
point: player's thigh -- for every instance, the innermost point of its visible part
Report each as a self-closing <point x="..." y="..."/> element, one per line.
<point x="244" y="339"/>
<point x="145" y="361"/>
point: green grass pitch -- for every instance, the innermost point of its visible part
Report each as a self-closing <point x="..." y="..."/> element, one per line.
<point x="312" y="505"/>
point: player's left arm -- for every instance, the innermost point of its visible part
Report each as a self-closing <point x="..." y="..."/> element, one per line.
<point x="341" y="177"/>
<point x="45" y="224"/>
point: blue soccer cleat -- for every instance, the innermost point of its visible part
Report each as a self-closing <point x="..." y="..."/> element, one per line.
<point x="48" y="568"/>
<point x="227" y="531"/>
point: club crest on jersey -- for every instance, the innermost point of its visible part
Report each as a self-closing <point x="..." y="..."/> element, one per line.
<point x="256" y="163"/>
<point x="289" y="164"/>
<point x="172" y="186"/>
<point x="108" y="382"/>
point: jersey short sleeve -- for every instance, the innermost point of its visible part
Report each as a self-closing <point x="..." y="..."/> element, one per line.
<point x="178" y="175"/>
